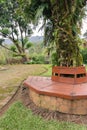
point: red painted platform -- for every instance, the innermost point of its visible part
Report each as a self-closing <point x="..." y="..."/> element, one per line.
<point x="72" y="75"/>
<point x="45" y="86"/>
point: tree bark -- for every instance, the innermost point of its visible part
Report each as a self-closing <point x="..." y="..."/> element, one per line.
<point x="25" y="58"/>
<point x="65" y="32"/>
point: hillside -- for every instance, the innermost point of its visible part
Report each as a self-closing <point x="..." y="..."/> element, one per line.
<point x="36" y="39"/>
<point x="33" y="39"/>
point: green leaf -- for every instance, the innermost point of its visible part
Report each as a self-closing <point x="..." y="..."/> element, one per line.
<point x="28" y="45"/>
<point x="5" y="31"/>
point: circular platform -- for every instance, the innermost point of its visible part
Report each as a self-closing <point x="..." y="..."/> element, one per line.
<point x="58" y="96"/>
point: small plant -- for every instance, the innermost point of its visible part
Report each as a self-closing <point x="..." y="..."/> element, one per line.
<point x="36" y="59"/>
<point x="84" y="54"/>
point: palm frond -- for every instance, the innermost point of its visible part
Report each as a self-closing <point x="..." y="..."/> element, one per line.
<point x="48" y="33"/>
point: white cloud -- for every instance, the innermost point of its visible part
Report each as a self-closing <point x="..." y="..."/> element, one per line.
<point x="84" y="26"/>
<point x="37" y="31"/>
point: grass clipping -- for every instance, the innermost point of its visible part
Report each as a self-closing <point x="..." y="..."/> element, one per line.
<point x="19" y="117"/>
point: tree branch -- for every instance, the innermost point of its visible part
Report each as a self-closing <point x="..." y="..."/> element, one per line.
<point x="8" y="48"/>
<point x="22" y="39"/>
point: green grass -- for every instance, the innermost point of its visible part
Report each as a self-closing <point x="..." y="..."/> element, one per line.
<point x="20" y="118"/>
<point x="49" y="70"/>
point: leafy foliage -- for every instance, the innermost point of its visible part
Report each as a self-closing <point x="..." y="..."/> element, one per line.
<point x="14" y="26"/>
<point x="65" y="17"/>
<point x="84" y="54"/>
<point x="38" y="59"/>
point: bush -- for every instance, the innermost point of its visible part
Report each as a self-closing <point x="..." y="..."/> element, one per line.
<point x="54" y="59"/>
<point x="84" y="55"/>
<point x="37" y="59"/>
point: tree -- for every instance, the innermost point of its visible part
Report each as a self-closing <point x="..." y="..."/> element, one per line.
<point x="65" y="17"/>
<point x="14" y="25"/>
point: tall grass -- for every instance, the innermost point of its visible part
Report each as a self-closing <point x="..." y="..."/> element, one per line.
<point x="4" y="55"/>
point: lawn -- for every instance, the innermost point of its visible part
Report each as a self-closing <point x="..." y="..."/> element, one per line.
<point x="13" y="75"/>
<point x="20" y="118"/>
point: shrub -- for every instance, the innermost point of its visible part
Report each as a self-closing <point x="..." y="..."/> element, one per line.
<point x="54" y="59"/>
<point x="37" y="59"/>
<point x="84" y="55"/>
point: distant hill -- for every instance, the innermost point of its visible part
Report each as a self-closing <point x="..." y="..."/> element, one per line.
<point x="33" y="39"/>
<point x="8" y="41"/>
<point x="36" y="39"/>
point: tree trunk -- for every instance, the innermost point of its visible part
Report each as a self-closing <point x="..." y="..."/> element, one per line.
<point x="66" y="32"/>
<point x="25" y="58"/>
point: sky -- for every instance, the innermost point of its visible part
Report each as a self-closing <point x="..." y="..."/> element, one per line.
<point x="84" y="22"/>
<point x="84" y="26"/>
<point x="37" y="32"/>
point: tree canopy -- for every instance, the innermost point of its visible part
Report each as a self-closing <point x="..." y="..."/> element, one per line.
<point x="65" y="18"/>
<point x="14" y="26"/>
<point x="62" y="22"/>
